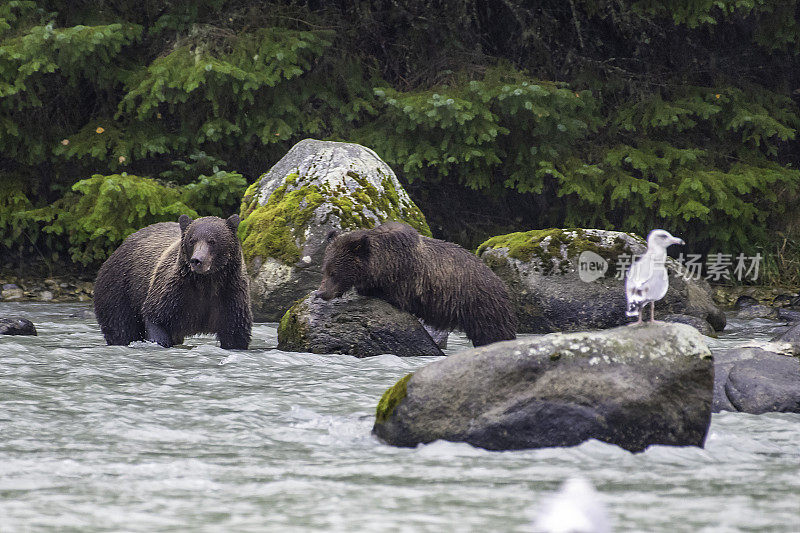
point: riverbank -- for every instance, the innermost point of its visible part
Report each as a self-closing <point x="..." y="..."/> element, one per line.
<point x="79" y="288"/>
<point x="68" y="288"/>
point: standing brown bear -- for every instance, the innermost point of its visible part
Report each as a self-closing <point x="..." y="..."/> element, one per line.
<point x="171" y="280"/>
<point x="438" y="281"/>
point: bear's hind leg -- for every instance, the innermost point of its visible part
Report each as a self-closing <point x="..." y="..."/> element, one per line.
<point x="119" y="323"/>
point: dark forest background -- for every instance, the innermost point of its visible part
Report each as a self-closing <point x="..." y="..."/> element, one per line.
<point x="498" y="116"/>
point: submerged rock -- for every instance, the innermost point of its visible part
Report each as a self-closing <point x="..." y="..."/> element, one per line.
<point x="757" y="311"/>
<point x="756" y="380"/>
<point x="16" y="326"/>
<point x="288" y="213"/>
<point x="567" y="280"/>
<point x="629" y="386"/>
<point x="354" y="325"/>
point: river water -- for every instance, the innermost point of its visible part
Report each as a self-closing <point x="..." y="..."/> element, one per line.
<point x="195" y="438"/>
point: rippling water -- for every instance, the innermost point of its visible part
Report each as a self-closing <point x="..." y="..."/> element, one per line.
<point x="99" y="438"/>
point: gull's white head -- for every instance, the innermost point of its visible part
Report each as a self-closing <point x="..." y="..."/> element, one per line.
<point x="659" y="239"/>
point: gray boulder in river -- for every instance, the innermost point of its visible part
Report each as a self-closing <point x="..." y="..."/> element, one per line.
<point x="354" y="325"/>
<point x="756" y="380"/>
<point x="16" y="326"/>
<point x="550" y="293"/>
<point x="289" y="211"/>
<point x="632" y="386"/>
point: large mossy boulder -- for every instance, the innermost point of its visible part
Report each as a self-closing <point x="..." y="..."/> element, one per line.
<point x="354" y="325"/>
<point x="288" y="213"/>
<point x="541" y="269"/>
<point x="632" y="386"/>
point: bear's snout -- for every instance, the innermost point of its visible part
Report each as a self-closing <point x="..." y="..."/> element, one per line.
<point x="319" y="293"/>
<point x="200" y="261"/>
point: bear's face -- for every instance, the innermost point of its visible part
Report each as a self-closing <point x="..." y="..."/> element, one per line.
<point x="209" y="243"/>
<point x="345" y="263"/>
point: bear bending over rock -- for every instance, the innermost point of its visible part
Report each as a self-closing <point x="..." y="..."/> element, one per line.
<point x="437" y="281"/>
<point x="171" y="280"/>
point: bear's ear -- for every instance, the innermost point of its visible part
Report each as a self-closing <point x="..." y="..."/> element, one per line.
<point x="359" y="246"/>
<point x="233" y="222"/>
<point x="184" y="222"/>
<point x="332" y="234"/>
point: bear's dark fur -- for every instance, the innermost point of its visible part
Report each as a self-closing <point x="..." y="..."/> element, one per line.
<point x="171" y="280"/>
<point x="437" y="281"/>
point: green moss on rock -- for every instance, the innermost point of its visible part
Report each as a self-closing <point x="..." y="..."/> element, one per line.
<point x="529" y="245"/>
<point x="391" y="399"/>
<point x="292" y="333"/>
<point x="249" y="200"/>
<point x="276" y="228"/>
<point x="272" y="230"/>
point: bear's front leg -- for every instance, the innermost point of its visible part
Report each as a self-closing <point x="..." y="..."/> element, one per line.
<point x="157" y="334"/>
<point x="236" y="320"/>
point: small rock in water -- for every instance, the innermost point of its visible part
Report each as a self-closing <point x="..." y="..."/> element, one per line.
<point x="16" y="326"/>
<point x="575" y="508"/>
<point x="744" y="301"/>
<point x="757" y="311"/>
<point x="789" y="315"/>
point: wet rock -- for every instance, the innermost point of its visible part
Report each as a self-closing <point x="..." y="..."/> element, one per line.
<point x="767" y="385"/>
<point x="789" y="315"/>
<point x="790" y="337"/>
<point x="45" y="296"/>
<point x="757" y="311"/>
<point x="744" y="301"/>
<point x="439" y="336"/>
<point x="353" y="325"/>
<point x="756" y="380"/>
<point x="12" y="292"/>
<point x="698" y="323"/>
<point x="287" y="215"/>
<point x="782" y="300"/>
<point x="542" y="269"/>
<point x="86" y="313"/>
<point x="629" y="386"/>
<point x="16" y="326"/>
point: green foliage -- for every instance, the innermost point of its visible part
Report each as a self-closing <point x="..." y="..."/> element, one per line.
<point x="218" y="194"/>
<point x="676" y="114"/>
<point x="103" y="210"/>
<point x="505" y="125"/>
<point x="16" y="233"/>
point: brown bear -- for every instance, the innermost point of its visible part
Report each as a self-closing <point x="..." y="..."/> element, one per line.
<point x="171" y="280"/>
<point x="438" y="281"/>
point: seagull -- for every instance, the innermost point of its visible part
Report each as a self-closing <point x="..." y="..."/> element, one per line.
<point x="647" y="280"/>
